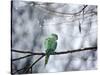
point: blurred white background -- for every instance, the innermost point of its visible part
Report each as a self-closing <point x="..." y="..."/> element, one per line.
<point x="5" y="28"/>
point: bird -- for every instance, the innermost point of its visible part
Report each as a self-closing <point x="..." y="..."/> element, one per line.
<point x="50" y="44"/>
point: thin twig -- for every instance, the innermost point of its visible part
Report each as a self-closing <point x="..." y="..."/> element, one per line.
<point x="19" y="70"/>
<point x="81" y="10"/>
<point x="26" y="52"/>
<point x="20" y="58"/>
<point x="29" y="66"/>
<point x="31" y="70"/>
<point x="20" y="51"/>
<point x="56" y="53"/>
<point x="62" y="12"/>
<point x="34" y="63"/>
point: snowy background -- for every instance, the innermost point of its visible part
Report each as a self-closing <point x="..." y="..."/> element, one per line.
<point x="32" y="22"/>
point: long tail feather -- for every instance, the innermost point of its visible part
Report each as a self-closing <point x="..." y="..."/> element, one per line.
<point x="46" y="59"/>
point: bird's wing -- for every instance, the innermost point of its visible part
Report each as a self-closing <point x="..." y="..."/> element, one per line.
<point x="54" y="45"/>
<point x="46" y="43"/>
<point x="50" y="44"/>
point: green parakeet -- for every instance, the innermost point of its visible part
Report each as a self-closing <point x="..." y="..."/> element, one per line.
<point x="50" y="46"/>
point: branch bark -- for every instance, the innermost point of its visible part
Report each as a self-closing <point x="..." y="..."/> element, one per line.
<point x="58" y="53"/>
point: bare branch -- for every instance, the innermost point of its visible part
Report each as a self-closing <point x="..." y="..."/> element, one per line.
<point x="21" y="51"/>
<point x="26" y="52"/>
<point x="20" y="58"/>
<point x="33" y="64"/>
<point x="18" y="70"/>
<point x="81" y="9"/>
<point x="29" y="66"/>
<point x="78" y="50"/>
<point x="56" y="53"/>
<point x="57" y="12"/>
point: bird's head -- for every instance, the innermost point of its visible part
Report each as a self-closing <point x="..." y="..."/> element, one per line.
<point x="55" y="36"/>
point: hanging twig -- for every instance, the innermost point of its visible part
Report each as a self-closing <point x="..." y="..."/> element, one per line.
<point x="79" y="26"/>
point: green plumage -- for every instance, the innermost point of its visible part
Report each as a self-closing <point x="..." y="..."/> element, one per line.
<point x="50" y="46"/>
